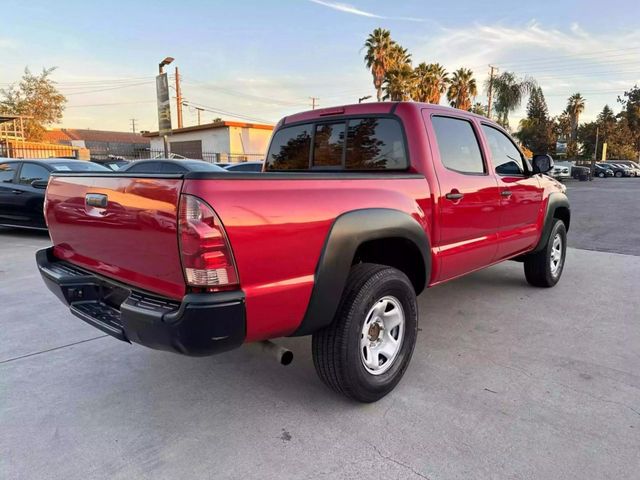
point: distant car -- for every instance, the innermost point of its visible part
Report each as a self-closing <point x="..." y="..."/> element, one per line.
<point x="580" y="173"/>
<point x="172" y="156"/>
<point x="114" y="165"/>
<point x="23" y="184"/>
<point x="634" y="166"/>
<point x="619" y="171"/>
<point x="602" y="171"/>
<point x="170" y="166"/>
<point x="560" y="172"/>
<point x="245" y="167"/>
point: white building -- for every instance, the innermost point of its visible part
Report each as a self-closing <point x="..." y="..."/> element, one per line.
<point x="221" y="141"/>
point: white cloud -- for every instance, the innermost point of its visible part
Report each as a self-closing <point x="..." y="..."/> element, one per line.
<point x="347" y="8"/>
<point x="563" y="61"/>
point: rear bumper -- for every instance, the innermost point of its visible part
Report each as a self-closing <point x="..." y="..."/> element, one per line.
<point x="200" y="324"/>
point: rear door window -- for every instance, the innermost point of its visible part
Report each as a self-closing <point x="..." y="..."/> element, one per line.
<point x="7" y="172"/>
<point x="458" y="145"/>
<point x="31" y="172"/>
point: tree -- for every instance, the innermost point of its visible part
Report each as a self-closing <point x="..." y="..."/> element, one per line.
<point x="508" y="91"/>
<point x="479" y="109"/>
<point x="36" y="97"/>
<point x="537" y="131"/>
<point x="609" y="129"/>
<point x="463" y="89"/>
<point x="398" y="57"/>
<point x="575" y="106"/>
<point x="431" y="82"/>
<point x="630" y="102"/>
<point x="378" y="56"/>
<point x="399" y="84"/>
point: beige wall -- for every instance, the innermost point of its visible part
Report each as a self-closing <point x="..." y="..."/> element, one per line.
<point x="249" y="140"/>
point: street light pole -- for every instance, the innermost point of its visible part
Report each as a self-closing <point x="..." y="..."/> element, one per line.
<point x="362" y="99"/>
<point x="165" y="140"/>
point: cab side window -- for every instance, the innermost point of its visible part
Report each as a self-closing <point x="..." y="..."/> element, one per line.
<point x="31" y="172"/>
<point x="7" y="172"/>
<point x="458" y="145"/>
<point x="507" y="159"/>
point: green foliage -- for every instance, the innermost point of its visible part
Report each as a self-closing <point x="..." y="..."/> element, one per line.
<point x="537" y="131"/>
<point x="462" y="90"/>
<point x="431" y="82"/>
<point x="37" y="97"/>
<point x="479" y="109"/>
<point x="508" y="91"/>
<point x="609" y="129"/>
<point x="399" y="83"/>
<point x="630" y="102"/>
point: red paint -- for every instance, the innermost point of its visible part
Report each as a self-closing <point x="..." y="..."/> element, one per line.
<point x="277" y="227"/>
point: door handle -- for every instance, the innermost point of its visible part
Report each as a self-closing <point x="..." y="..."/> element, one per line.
<point x="17" y="192"/>
<point x="454" y="195"/>
<point x="505" y="193"/>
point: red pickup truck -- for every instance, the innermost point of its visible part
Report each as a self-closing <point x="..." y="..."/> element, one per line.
<point x="358" y="210"/>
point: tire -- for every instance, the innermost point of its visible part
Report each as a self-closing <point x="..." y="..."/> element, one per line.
<point x="339" y="357"/>
<point x="618" y="174"/>
<point x="538" y="267"/>
<point x="601" y="174"/>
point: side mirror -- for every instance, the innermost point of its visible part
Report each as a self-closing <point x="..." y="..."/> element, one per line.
<point x="542" y="163"/>
<point x="41" y="184"/>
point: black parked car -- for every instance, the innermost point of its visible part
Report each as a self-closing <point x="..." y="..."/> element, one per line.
<point x="618" y="170"/>
<point x="23" y="184"/>
<point x="170" y="166"/>
<point x="602" y="171"/>
<point x="244" y="167"/>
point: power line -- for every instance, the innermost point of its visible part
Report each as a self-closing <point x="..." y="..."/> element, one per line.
<point x="224" y="112"/>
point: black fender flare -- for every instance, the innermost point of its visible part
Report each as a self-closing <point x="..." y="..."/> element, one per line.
<point x="556" y="200"/>
<point x="348" y="232"/>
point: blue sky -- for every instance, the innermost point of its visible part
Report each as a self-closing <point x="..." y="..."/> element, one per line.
<point x="262" y="60"/>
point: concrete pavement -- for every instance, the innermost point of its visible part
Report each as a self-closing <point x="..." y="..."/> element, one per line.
<point x="507" y="381"/>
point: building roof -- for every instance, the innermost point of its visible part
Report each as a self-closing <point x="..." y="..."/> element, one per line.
<point x="208" y="126"/>
<point x="68" y="134"/>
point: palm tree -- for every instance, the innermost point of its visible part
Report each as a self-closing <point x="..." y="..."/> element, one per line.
<point x="575" y="106"/>
<point x="463" y="89"/>
<point x="398" y="56"/>
<point x="508" y="90"/>
<point x="399" y="84"/>
<point x="431" y="82"/>
<point x="377" y="56"/>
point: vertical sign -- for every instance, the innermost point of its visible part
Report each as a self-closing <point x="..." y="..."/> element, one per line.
<point x="604" y="151"/>
<point x="164" y="109"/>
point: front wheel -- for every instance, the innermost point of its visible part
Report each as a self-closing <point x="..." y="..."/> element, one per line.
<point x="544" y="268"/>
<point x="618" y="174"/>
<point x="601" y="175"/>
<point x="365" y="351"/>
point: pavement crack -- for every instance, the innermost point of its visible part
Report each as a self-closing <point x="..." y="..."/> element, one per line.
<point x="398" y="462"/>
<point x="51" y="349"/>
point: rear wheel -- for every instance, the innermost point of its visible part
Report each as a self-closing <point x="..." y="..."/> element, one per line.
<point x="618" y="174"/>
<point x="544" y="268"/>
<point x="365" y="351"/>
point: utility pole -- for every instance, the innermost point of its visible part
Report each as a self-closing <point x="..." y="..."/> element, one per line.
<point x="595" y="153"/>
<point x="490" y="89"/>
<point x="133" y="125"/>
<point x="178" y="99"/>
<point x="199" y="110"/>
<point x="314" y="102"/>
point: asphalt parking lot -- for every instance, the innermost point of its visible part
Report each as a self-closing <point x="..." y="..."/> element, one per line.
<point x="507" y="381"/>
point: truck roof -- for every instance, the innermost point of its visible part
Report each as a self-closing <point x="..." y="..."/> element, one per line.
<point x="369" y="108"/>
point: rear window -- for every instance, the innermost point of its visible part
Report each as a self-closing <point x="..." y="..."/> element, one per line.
<point x="353" y="144"/>
<point x="78" y="166"/>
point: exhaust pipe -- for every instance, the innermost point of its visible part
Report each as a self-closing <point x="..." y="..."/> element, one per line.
<point x="281" y="354"/>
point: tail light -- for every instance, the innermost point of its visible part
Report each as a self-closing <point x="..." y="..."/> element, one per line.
<point x="206" y="255"/>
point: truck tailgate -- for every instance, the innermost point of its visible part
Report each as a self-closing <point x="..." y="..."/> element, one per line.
<point x="121" y="227"/>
